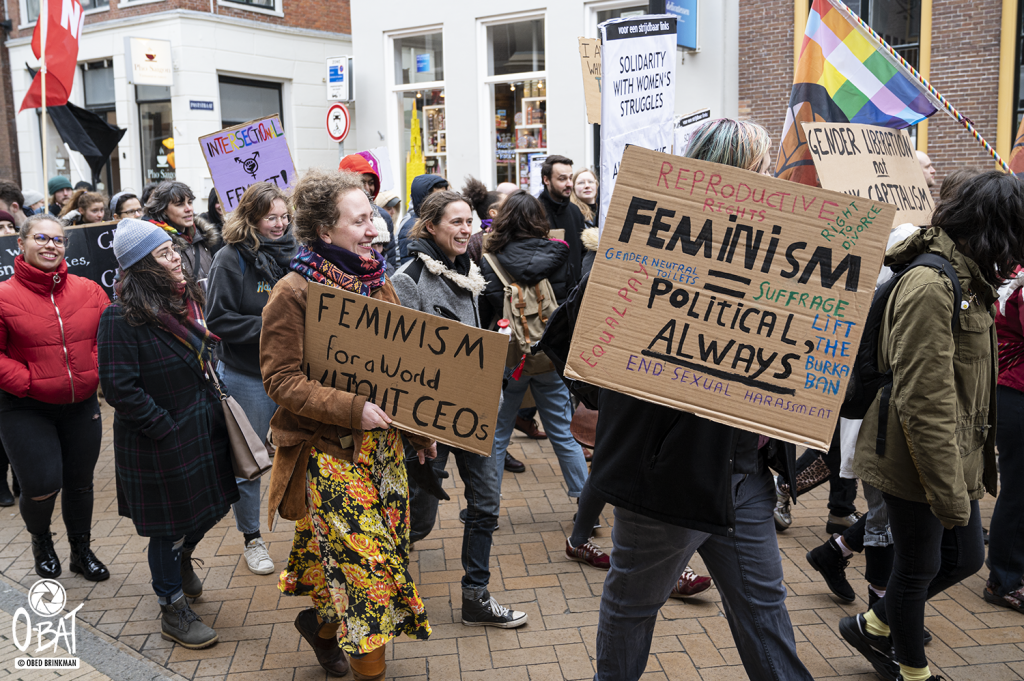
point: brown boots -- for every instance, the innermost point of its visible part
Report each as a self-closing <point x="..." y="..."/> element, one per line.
<point x="369" y="667"/>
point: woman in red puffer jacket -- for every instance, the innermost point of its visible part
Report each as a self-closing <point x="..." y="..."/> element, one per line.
<point x="49" y="414"/>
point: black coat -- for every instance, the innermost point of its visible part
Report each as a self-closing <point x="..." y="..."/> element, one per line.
<point x="171" y="462"/>
<point x="528" y="262"/>
<point x="568" y="218"/>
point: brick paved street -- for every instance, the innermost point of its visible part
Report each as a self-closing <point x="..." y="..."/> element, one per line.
<point x="974" y="641"/>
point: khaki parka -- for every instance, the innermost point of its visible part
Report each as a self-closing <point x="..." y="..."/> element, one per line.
<point x="940" y="439"/>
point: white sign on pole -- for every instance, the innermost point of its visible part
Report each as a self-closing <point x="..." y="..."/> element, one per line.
<point x="339" y="79"/>
<point x="149" y="61"/>
<point x="338" y="121"/>
<point x="638" y="91"/>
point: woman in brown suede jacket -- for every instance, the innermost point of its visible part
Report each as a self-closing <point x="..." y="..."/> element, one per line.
<point x="339" y="469"/>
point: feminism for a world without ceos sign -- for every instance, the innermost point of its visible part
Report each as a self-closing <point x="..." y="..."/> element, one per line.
<point x="432" y="375"/>
<point x="729" y="294"/>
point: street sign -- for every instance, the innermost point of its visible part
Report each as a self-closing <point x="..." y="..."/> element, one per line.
<point x="339" y="79"/>
<point x="338" y="120"/>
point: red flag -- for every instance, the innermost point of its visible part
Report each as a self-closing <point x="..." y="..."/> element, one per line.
<point x="62" y="33"/>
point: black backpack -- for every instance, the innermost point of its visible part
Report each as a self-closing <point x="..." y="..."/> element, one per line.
<point x="866" y="380"/>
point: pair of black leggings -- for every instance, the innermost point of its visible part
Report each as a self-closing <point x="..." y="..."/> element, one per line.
<point x="929" y="560"/>
<point x="53" y="447"/>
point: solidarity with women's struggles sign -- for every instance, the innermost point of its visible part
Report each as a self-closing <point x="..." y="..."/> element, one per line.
<point x="245" y="154"/>
<point x="729" y="294"/>
<point x="431" y="375"/>
<point x="89" y="254"/>
<point x="876" y="163"/>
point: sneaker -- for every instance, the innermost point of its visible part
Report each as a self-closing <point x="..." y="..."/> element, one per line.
<point x="876" y="649"/>
<point x="464" y="513"/>
<point x="783" y="517"/>
<point x="180" y="624"/>
<point x="258" y="558"/>
<point x="1014" y="600"/>
<point x="487" y="613"/>
<point x="829" y="561"/>
<point x="836" y="523"/>
<point x="690" y="584"/>
<point x="588" y="553"/>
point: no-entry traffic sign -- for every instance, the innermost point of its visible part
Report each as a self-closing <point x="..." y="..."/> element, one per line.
<point x="338" y="120"/>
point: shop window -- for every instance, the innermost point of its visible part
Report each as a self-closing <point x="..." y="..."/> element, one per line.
<point x="516" y="48"/>
<point x="244" y="100"/>
<point x="621" y="13"/>
<point x="419" y="59"/>
<point x="897" y="21"/>
<point x="98" y="84"/>
<point x="157" y="132"/>
<point x="424" y="110"/>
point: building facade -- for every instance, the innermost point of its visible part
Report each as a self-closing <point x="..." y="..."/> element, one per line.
<point x="492" y="86"/>
<point x="230" y="61"/>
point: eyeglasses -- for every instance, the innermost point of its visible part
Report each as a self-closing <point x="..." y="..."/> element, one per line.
<point x="42" y="239"/>
<point x="168" y="255"/>
<point x="135" y="211"/>
<point x="277" y="219"/>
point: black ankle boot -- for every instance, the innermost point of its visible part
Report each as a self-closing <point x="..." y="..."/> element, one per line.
<point x="84" y="561"/>
<point x="6" y="498"/>
<point x="191" y="585"/>
<point x="47" y="563"/>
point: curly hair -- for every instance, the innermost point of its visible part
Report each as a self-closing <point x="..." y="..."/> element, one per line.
<point x="315" y="201"/>
<point x="740" y="144"/>
<point x="432" y="211"/>
<point x="166" y="194"/>
<point x="986" y="221"/>
<point x="521" y="217"/>
<point x="480" y="199"/>
<point x="146" y="289"/>
<point x="242" y="225"/>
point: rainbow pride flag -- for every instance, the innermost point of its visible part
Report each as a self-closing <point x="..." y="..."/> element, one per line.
<point x="844" y="75"/>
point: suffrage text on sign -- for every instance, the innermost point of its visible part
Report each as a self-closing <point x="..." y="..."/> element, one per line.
<point x="729" y="294"/>
<point x="432" y="375"/>
<point x="245" y="154"/>
<point x="876" y="163"/>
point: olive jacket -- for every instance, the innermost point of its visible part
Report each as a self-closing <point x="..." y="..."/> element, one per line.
<point x="309" y="414"/>
<point x="940" y="438"/>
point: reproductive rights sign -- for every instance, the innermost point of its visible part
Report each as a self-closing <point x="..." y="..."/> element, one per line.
<point x="245" y="154"/>
<point x="730" y="295"/>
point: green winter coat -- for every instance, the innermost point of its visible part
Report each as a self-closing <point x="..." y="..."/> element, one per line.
<point x="940" y="440"/>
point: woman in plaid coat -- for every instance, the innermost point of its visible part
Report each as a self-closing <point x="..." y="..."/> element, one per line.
<point x="173" y="470"/>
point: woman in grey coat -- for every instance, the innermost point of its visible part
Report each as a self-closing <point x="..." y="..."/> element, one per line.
<point x="442" y="280"/>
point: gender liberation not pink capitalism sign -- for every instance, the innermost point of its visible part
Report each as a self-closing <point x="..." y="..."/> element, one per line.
<point x="245" y="154"/>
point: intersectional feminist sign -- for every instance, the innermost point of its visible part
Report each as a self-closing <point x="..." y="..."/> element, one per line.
<point x="730" y="295"/>
<point x="873" y="162"/>
<point x="432" y="375"/>
<point x="253" y="152"/>
<point x="89" y="254"/>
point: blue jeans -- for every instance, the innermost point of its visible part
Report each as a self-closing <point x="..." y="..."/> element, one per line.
<point x="482" y="488"/>
<point x="552" y="398"/>
<point x="248" y="391"/>
<point x="1006" y="534"/>
<point x="648" y="558"/>
<point x="165" y="561"/>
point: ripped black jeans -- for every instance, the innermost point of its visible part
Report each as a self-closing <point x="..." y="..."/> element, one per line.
<point x="53" y="447"/>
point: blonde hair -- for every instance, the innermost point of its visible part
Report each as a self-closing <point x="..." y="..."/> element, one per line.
<point x="740" y="144"/>
<point x="588" y="212"/>
<point x="242" y="224"/>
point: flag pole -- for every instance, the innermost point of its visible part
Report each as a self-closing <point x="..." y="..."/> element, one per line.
<point x="44" y="17"/>
<point x="950" y="109"/>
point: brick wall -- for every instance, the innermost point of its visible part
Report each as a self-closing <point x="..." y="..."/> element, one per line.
<point x="965" y="68"/>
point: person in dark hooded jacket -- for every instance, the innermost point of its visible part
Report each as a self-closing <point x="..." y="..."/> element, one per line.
<point x="563" y="214"/>
<point x="357" y="163"/>
<point x="422" y="187"/>
<point x="170" y="207"/>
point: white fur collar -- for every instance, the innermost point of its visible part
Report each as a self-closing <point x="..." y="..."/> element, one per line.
<point x="474" y="282"/>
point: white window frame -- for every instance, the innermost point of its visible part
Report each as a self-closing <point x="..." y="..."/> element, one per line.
<point x="485" y="143"/>
<point x="276" y="12"/>
<point x="136" y="3"/>
<point x="393" y="117"/>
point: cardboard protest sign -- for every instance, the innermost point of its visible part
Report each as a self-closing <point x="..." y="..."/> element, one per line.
<point x="729" y="294"/>
<point x="89" y="254"/>
<point x="432" y="375"/>
<point x="590" y="58"/>
<point x="877" y="163"/>
<point x="245" y="154"/>
<point x="638" y="90"/>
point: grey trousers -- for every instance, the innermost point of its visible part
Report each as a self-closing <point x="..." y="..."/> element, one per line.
<point x="648" y="558"/>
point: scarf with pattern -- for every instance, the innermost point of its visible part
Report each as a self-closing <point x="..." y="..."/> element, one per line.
<point x="339" y="267"/>
<point x="192" y="332"/>
<point x="172" y="230"/>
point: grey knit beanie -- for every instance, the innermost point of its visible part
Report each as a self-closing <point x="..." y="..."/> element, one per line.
<point x="135" y="239"/>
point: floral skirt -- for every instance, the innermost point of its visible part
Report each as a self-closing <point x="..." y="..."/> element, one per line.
<point x="351" y="551"/>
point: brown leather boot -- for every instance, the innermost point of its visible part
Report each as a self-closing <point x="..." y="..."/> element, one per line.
<point x="330" y="656"/>
<point x="369" y="667"/>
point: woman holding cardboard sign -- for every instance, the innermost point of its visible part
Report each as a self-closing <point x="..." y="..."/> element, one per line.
<point x="339" y="469"/>
<point x="442" y="280"/>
